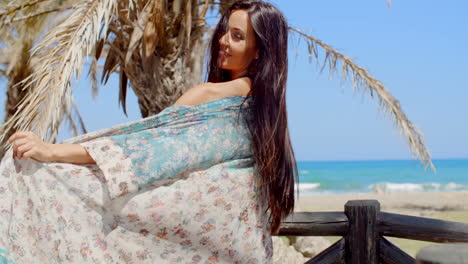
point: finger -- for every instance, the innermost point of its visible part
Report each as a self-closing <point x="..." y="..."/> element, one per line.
<point x="11" y="138"/>
<point x="17" y="135"/>
<point x="21" y="141"/>
<point x="18" y="143"/>
<point x="28" y="154"/>
<point x="22" y="134"/>
<point x="15" y="150"/>
<point x="24" y="148"/>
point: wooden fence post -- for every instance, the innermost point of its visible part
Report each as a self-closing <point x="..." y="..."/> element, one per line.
<point x="362" y="239"/>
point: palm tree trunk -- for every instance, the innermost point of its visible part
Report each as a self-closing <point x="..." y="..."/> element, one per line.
<point x="175" y="65"/>
<point x="169" y="76"/>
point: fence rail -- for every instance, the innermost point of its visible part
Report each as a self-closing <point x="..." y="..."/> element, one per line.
<point x="362" y="226"/>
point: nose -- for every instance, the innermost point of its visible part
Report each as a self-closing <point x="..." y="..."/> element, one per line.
<point x="224" y="40"/>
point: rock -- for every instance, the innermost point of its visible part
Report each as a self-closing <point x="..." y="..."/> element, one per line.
<point x="310" y="246"/>
<point x="285" y="254"/>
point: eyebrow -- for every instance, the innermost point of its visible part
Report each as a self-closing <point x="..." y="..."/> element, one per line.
<point x="238" y="29"/>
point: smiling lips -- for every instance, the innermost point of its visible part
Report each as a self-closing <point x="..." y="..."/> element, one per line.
<point x="224" y="54"/>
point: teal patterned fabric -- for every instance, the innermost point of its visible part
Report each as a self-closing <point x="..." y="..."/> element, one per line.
<point x="177" y="187"/>
<point x="4" y="257"/>
<point x="206" y="137"/>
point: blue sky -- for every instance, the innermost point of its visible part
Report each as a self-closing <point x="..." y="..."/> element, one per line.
<point x="417" y="49"/>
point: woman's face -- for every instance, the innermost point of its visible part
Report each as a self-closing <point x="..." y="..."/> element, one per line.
<point x="237" y="45"/>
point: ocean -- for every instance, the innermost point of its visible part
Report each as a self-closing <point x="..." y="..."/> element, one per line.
<point x="322" y="177"/>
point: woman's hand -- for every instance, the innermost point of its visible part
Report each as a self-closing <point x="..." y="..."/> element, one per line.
<point x="28" y="145"/>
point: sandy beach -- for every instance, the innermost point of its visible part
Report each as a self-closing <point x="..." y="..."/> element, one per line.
<point x="451" y="206"/>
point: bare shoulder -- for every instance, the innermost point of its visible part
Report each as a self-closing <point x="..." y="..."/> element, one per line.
<point x="237" y="87"/>
<point x="195" y="95"/>
<point x="211" y="91"/>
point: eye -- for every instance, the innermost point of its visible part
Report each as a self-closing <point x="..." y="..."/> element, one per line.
<point x="237" y="35"/>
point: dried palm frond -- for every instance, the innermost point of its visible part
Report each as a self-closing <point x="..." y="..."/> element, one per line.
<point x="16" y="41"/>
<point x="34" y="19"/>
<point x="160" y="56"/>
<point x="50" y="86"/>
<point x="154" y="29"/>
<point x="10" y="8"/>
<point x="93" y="68"/>
<point x="10" y="11"/>
<point x="36" y="14"/>
<point x="188" y="23"/>
<point x="18" y="67"/>
<point x="361" y="78"/>
<point x="74" y="120"/>
<point x="139" y="29"/>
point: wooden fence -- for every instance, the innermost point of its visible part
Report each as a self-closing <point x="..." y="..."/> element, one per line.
<point x="362" y="226"/>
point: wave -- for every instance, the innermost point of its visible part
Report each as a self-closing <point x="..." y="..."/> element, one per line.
<point x="417" y="187"/>
<point x="303" y="187"/>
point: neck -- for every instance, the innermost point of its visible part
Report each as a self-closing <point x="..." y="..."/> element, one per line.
<point x="237" y="74"/>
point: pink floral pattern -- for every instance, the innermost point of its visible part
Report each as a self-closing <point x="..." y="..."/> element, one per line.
<point x="177" y="187"/>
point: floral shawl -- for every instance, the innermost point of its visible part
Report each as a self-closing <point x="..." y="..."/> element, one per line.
<point x="176" y="187"/>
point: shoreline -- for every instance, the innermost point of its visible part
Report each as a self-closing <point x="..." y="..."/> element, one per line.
<point x="411" y="203"/>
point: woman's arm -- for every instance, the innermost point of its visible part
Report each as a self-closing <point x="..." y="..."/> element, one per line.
<point x="71" y="153"/>
<point x="28" y="145"/>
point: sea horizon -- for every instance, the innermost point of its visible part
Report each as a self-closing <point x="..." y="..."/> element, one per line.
<point x="379" y="159"/>
<point x="385" y="175"/>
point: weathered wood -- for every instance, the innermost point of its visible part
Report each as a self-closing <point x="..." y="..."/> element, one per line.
<point x="315" y="224"/>
<point x="391" y="254"/>
<point x="421" y="228"/>
<point x="361" y="242"/>
<point x="363" y="226"/>
<point x="334" y="254"/>
<point x="443" y="254"/>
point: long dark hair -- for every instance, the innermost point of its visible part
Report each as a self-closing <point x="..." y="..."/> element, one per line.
<point x="274" y="157"/>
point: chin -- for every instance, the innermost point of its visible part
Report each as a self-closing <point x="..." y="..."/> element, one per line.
<point x="224" y="67"/>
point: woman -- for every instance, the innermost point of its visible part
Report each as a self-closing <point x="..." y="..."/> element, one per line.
<point x="192" y="184"/>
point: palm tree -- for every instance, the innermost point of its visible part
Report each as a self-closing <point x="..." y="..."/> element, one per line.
<point x="21" y="26"/>
<point x="156" y="47"/>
